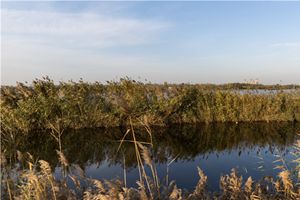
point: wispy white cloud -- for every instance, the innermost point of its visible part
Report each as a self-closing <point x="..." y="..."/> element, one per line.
<point x="79" y="29"/>
<point x="65" y="45"/>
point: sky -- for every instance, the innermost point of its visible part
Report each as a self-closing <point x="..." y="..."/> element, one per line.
<point x="191" y="42"/>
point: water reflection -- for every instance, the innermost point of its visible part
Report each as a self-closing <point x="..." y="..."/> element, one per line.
<point x="216" y="148"/>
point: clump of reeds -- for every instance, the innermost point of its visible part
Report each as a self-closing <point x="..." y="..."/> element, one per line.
<point x="81" y="105"/>
<point x="36" y="181"/>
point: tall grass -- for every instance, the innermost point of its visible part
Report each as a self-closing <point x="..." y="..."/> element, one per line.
<point x="35" y="180"/>
<point x="43" y="104"/>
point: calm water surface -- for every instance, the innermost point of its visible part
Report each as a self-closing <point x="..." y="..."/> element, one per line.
<point x="215" y="148"/>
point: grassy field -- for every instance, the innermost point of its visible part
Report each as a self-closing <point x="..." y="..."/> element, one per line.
<point x="75" y="105"/>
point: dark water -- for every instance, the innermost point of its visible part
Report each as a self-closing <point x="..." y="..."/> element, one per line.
<point x="215" y="148"/>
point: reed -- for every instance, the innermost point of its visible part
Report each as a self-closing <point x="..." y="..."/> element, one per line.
<point x="75" y="105"/>
<point x="36" y="181"/>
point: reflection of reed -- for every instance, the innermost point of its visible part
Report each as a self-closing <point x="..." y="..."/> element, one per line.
<point x="188" y="141"/>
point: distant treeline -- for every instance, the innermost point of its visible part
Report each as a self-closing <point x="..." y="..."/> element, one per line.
<point x="239" y="86"/>
<point x="44" y="104"/>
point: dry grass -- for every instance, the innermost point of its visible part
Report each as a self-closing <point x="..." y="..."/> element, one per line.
<point x="36" y="181"/>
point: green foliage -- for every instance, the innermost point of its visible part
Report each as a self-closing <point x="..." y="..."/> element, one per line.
<point x="83" y="105"/>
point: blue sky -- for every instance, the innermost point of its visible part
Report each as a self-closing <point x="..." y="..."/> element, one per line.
<point x="196" y="42"/>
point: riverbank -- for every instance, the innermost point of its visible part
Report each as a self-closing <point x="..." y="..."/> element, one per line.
<point x="77" y="105"/>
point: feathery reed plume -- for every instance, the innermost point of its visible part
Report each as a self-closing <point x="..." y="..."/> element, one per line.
<point x="200" y="190"/>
